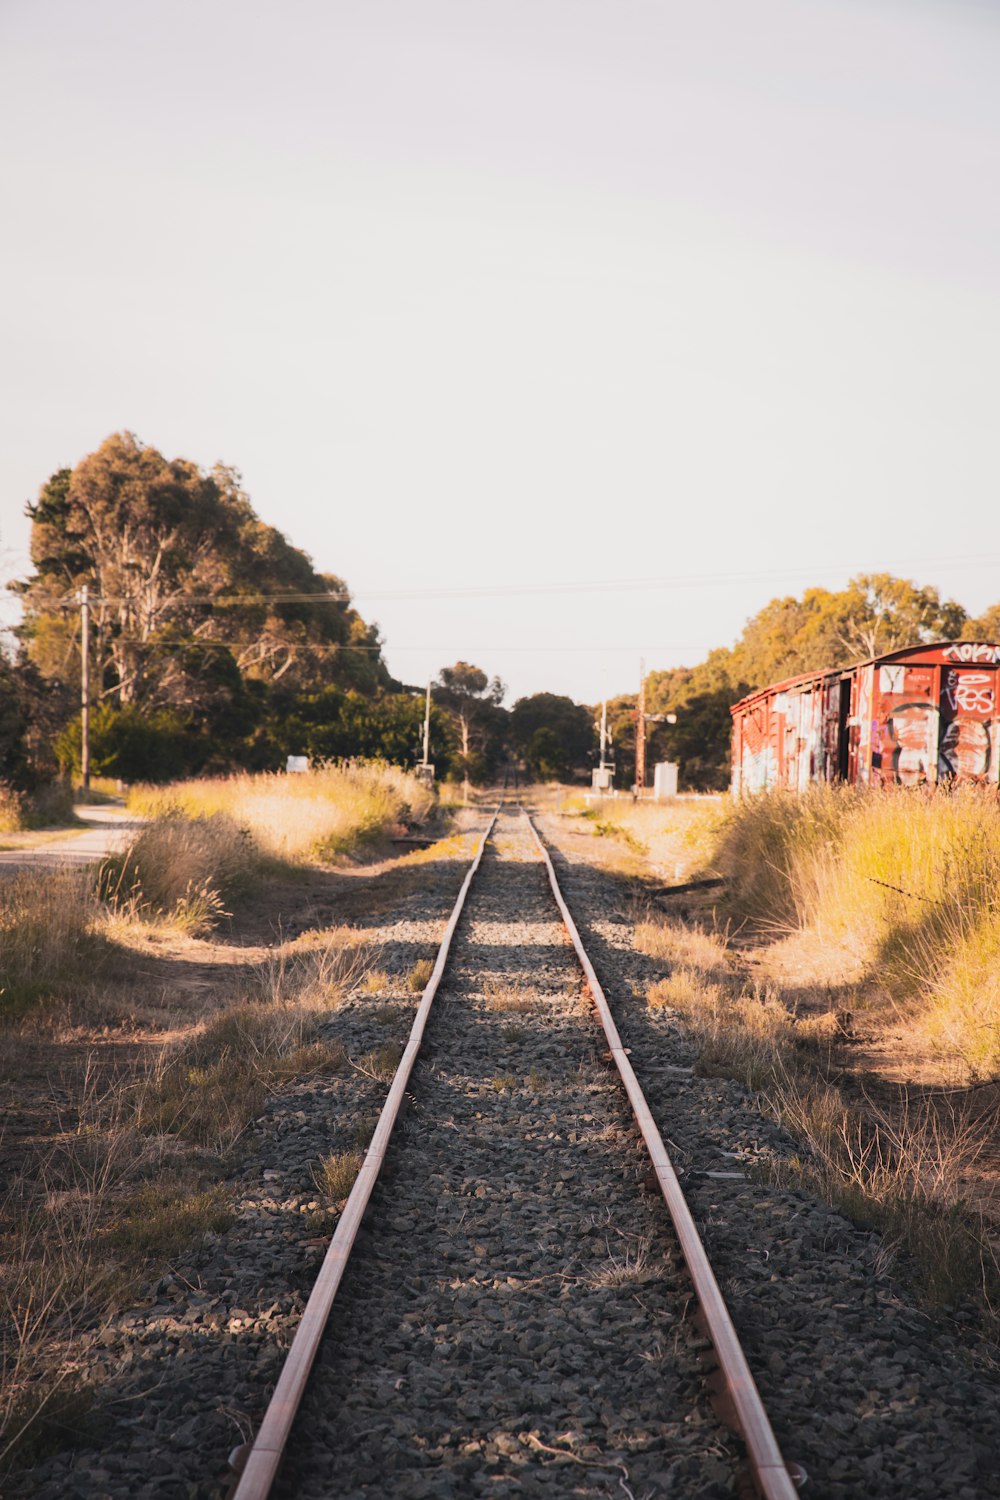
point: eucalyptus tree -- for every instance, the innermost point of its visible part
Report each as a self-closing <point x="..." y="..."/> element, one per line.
<point x="193" y="595"/>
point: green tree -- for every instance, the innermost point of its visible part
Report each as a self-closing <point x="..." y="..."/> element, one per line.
<point x="472" y="701"/>
<point x="184" y="576"/>
<point x="984" y="627"/>
<point x="332" y="724"/>
<point x="134" y="744"/>
<point x="571" y="724"/>
<point x="876" y="613"/>
<point x="198" y="607"/>
<point x="547" y="755"/>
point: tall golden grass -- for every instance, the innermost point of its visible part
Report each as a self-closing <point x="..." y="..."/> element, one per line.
<point x="46" y="918"/>
<point x="901" y="1171"/>
<point x="910" y="880"/>
<point x="181" y="869"/>
<point x="330" y="810"/>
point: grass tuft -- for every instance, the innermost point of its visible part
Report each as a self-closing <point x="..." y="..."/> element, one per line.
<point x="419" y="976"/>
<point x="337" y="1174"/>
<point x="181" y="870"/>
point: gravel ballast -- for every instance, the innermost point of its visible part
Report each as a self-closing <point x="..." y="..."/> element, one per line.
<point x="514" y="1317"/>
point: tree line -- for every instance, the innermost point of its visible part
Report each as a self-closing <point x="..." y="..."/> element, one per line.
<point x="216" y="645"/>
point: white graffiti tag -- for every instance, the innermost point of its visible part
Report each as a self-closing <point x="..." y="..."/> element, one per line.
<point x="972" y="651"/>
<point x="974" y="692"/>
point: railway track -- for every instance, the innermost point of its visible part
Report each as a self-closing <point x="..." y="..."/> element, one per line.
<point x="514" y="1309"/>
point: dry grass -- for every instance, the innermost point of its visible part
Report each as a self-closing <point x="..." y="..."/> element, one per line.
<point x="131" y="1182"/>
<point x="332" y="810"/>
<point x="419" y="976"/>
<point x="47" y="807"/>
<point x="682" y="943"/>
<point x="502" y="995"/>
<point x="46" y="932"/>
<point x="898" y="1171"/>
<point x="80" y="1231"/>
<point x="906" y="880"/>
<point x="210" y="1088"/>
<point x="381" y="1062"/>
<point x="376" y="982"/>
<point x="132" y="1179"/>
<point x="676" y="837"/>
<point x="318" y="972"/>
<point x="181" y="870"/>
<point x="337" y="1174"/>
<point x="630" y="1266"/>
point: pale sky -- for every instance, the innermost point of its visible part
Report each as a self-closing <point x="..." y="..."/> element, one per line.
<point x="698" y="303"/>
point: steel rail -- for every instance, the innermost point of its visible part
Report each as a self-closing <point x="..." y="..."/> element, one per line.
<point x="770" y="1473"/>
<point x="265" y="1454"/>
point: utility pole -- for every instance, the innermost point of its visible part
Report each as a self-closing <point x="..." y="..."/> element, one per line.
<point x="640" y="734"/>
<point x="604" y="731"/>
<point x="427" y="731"/>
<point x="84" y="600"/>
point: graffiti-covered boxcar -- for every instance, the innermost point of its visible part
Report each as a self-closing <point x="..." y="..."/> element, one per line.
<point x="919" y="714"/>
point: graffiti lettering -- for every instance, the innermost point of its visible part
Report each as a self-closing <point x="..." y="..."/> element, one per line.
<point x="974" y="692"/>
<point x="972" y="651"/>
<point x="965" y="750"/>
<point x="912" y="731"/>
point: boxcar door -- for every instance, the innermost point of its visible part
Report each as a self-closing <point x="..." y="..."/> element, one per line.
<point x="842" y="756"/>
<point x="967" y="744"/>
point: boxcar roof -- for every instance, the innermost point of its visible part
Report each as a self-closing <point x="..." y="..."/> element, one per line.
<point x="919" y="651"/>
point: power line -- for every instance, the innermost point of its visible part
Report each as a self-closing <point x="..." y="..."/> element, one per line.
<point x="510" y="589"/>
<point x="194" y="642"/>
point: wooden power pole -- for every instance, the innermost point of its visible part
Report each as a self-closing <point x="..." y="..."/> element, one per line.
<point x="640" y="734"/>
<point x="84" y="598"/>
<point x="427" y="731"/>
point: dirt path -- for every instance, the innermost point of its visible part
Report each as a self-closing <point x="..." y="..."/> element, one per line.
<point x="106" y="831"/>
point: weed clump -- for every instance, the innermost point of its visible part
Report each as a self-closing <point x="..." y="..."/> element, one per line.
<point x="337" y="1174"/>
<point x="182" y="870"/>
<point x="419" y="976"/>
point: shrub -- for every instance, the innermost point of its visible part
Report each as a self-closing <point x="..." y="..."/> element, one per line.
<point x="130" y="743"/>
<point x="182" y="869"/>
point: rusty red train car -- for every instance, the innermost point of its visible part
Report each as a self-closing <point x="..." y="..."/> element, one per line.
<point x="915" y="715"/>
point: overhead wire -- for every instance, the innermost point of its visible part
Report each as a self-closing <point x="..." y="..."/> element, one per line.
<point x="594" y="585"/>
